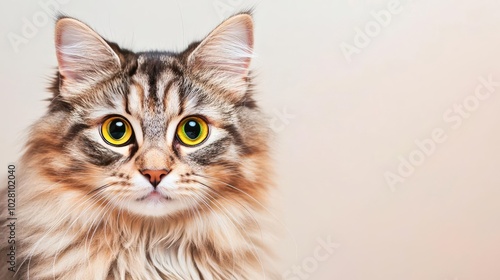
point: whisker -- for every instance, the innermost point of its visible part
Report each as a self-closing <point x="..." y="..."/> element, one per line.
<point x="234" y="200"/>
<point x="261" y="205"/>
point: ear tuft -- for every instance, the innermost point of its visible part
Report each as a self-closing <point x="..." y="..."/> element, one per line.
<point x="224" y="56"/>
<point x="84" y="57"/>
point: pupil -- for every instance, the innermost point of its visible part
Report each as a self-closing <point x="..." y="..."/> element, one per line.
<point x="192" y="129"/>
<point x="117" y="129"/>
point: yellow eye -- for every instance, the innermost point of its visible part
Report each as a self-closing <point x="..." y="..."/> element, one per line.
<point x="192" y="131"/>
<point x="116" y="131"/>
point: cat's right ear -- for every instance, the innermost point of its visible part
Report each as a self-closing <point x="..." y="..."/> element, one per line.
<point x="84" y="57"/>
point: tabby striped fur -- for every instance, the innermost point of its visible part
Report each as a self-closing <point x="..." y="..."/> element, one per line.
<point x="79" y="212"/>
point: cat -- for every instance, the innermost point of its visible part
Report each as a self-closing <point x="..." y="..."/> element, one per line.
<point x="146" y="165"/>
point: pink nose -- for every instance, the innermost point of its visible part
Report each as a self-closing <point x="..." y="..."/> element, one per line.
<point x="154" y="176"/>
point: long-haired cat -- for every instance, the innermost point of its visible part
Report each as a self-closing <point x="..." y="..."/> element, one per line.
<point x="147" y="165"/>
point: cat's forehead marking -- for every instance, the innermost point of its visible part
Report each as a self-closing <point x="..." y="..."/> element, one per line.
<point x="156" y="77"/>
<point x="153" y="95"/>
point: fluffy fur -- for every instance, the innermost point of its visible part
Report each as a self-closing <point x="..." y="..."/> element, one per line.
<point x="80" y="207"/>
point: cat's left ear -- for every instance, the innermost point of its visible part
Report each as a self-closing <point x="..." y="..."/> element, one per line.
<point x="224" y="56"/>
<point x="84" y="57"/>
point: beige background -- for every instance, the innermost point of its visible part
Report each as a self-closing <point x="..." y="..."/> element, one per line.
<point x="348" y="123"/>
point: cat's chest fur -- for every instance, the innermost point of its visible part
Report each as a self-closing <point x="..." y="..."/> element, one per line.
<point x="138" y="250"/>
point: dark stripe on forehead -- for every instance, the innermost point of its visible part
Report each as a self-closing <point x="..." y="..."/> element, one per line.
<point x="183" y="92"/>
<point x="182" y="103"/>
<point x="176" y="69"/>
<point x="97" y="154"/>
<point x="153" y="68"/>
<point x="152" y="87"/>
<point x="126" y="104"/>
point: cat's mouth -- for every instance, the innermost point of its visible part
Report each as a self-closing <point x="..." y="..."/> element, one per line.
<point x="154" y="195"/>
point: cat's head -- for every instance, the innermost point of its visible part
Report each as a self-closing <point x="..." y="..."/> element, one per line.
<point x="152" y="133"/>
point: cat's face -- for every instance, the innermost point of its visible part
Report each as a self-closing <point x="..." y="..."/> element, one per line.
<point x="154" y="133"/>
<point x="156" y="146"/>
